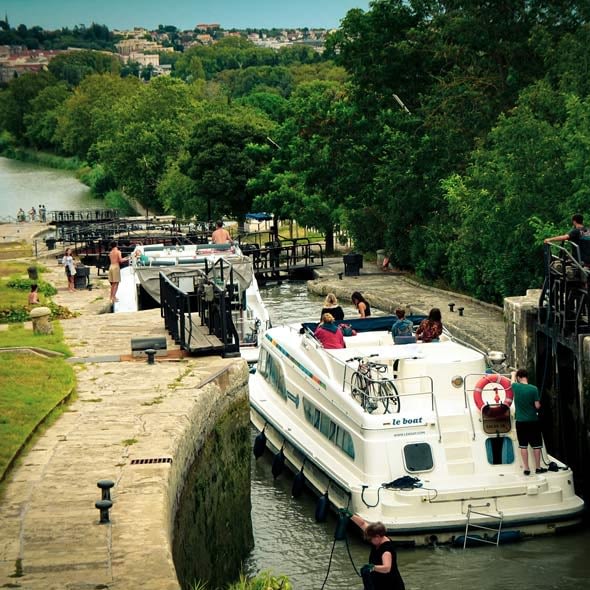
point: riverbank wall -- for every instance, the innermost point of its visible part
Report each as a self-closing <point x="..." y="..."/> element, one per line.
<point x="144" y="427"/>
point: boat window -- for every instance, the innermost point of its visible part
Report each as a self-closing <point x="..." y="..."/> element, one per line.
<point x="500" y="450"/>
<point x="418" y="457"/>
<point x="270" y="368"/>
<point x="332" y="431"/>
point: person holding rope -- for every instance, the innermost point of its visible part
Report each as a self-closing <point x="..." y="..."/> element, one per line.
<point x="381" y="572"/>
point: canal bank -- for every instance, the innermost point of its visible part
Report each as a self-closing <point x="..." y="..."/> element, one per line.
<point x="141" y="426"/>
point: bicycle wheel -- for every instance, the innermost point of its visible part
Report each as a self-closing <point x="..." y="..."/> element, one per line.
<point x="390" y="397"/>
<point x="358" y="385"/>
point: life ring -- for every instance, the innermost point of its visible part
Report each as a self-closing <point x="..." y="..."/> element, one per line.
<point x="504" y="382"/>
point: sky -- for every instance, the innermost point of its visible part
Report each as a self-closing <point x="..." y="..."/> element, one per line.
<point x="184" y="14"/>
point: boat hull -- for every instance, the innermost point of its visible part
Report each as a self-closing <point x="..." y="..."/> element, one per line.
<point x="420" y="533"/>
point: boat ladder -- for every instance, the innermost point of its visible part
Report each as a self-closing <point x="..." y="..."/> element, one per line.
<point x="493" y="524"/>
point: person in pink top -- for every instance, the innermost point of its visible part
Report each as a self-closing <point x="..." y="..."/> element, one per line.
<point x="328" y="333"/>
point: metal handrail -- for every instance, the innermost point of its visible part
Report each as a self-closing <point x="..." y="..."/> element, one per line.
<point x="210" y="301"/>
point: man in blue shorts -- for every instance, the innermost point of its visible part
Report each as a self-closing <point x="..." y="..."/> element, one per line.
<point x="527" y="403"/>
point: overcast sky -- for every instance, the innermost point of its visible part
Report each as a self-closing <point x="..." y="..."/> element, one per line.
<point x="184" y="14"/>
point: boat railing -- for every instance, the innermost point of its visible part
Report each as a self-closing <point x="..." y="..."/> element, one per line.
<point x="370" y="381"/>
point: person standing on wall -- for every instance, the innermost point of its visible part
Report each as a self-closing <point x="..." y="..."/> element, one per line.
<point x="116" y="259"/>
<point x="381" y="572"/>
<point x="527" y="404"/>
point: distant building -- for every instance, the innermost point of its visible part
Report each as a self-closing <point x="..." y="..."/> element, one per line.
<point x="17" y="61"/>
<point x="208" y="27"/>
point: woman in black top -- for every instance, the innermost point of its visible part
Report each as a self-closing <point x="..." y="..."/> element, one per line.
<point x="381" y="572"/>
<point x="361" y="304"/>
<point x="331" y="306"/>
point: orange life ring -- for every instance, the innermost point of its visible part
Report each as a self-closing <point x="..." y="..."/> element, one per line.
<point x="504" y="383"/>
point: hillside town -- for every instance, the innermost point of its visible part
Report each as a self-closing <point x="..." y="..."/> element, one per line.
<point x="144" y="48"/>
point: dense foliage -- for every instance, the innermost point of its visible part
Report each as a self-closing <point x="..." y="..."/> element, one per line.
<point x="452" y="133"/>
<point x="93" y="37"/>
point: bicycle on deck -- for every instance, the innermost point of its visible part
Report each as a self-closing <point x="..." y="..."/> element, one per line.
<point x="371" y="388"/>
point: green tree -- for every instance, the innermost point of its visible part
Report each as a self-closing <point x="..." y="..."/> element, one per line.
<point x="149" y="129"/>
<point x="225" y="150"/>
<point x="15" y="101"/>
<point x="318" y="164"/>
<point x="41" y="122"/>
<point x="86" y="116"/>
<point x="74" y="66"/>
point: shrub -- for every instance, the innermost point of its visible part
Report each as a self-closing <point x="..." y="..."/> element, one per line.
<point x="23" y="284"/>
<point x="117" y="200"/>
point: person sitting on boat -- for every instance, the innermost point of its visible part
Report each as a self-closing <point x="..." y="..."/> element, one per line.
<point x="328" y="333"/>
<point x="527" y="404"/>
<point x="431" y="328"/>
<point x="402" y="326"/>
<point x="331" y="306"/>
<point x="220" y="235"/>
<point x="381" y="573"/>
<point x="361" y="304"/>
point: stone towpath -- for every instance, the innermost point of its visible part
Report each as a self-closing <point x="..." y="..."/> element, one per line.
<point x="50" y="536"/>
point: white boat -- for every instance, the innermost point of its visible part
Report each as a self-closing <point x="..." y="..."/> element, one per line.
<point x="407" y="446"/>
<point x="141" y="277"/>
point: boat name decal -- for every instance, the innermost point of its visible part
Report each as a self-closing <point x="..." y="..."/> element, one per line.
<point x="303" y="369"/>
<point x="408" y="421"/>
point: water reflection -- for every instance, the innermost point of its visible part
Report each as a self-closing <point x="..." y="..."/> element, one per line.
<point x="288" y="540"/>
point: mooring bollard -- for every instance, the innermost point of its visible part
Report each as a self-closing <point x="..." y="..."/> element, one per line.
<point x="103" y="506"/>
<point x="451" y="307"/>
<point x="151" y="353"/>
<point x="41" y="318"/>
<point x="105" y="485"/>
<point x="460" y="310"/>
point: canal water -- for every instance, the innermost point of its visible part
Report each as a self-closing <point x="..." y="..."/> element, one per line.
<point x="287" y="538"/>
<point x="28" y="185"/>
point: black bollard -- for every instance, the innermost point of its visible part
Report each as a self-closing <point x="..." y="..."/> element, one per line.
<point x="460" y="310"/>
<point x="451" y="307"/>
<point x="105" y="485"/>
<point x="103" y="506"/>
<point x="151" y="353"/>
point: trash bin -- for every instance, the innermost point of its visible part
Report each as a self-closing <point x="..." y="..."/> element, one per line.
<point x="352" y="264"/>
<point x="50" y="243"/>
<point x="82" y="277"/>
<point x="33" y="273"/>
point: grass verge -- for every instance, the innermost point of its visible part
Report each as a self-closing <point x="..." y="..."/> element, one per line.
<point x="32" y="387"/>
